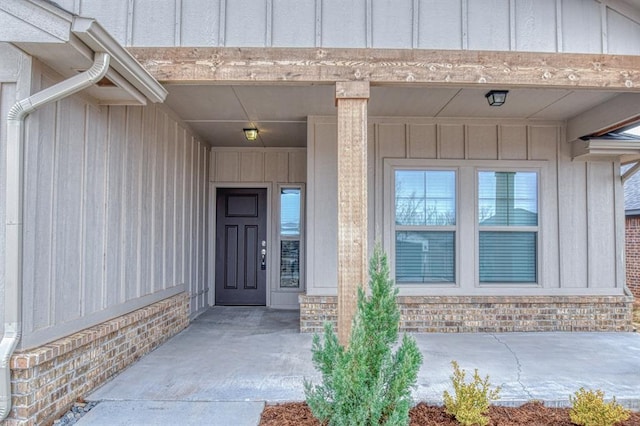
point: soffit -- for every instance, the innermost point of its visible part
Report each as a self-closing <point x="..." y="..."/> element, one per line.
<point x="218" y="113"/>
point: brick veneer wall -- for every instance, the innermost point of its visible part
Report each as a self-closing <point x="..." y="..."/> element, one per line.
<point x="632" y="253"/>
<point x="459" y="314"/>
<point x="45" y="381"/>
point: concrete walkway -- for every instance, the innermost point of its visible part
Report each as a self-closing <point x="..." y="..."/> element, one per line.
<point x="231" y="360"/>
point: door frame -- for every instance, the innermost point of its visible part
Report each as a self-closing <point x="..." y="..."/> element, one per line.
<point x="211" y="259"/>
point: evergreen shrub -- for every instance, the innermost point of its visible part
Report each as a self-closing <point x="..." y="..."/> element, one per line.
<point x="470" y="401"/>
<point x="366" y="383"/>
<point x="589" y="409"/>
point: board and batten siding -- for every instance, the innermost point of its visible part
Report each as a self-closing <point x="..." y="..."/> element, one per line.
<point x="265" y="168"/>
<point x="115" y="212"/>
<point x="577" y="26"/>
<point x="14" y="85"/>
<point x="581" y="244"/>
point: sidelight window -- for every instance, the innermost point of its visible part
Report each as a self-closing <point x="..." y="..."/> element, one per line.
<point x="290" y="225"/>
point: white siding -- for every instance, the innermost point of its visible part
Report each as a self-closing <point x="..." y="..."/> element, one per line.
<point x="265" y="168"/>
<point x="107" y="191"/>
<point x="579" y="247"/>
<point x="623" y="33"/>
<point x="581" y="26"/>
<point x="7" y="99"/>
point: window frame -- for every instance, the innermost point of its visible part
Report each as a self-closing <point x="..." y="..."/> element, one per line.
<point x="505" y="228"/>
<point x="423" y="228"/>
<point x="467" y="237"/>
<point x="300" y="238"/>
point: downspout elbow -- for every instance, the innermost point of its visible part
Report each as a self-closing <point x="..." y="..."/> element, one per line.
<point x="14" y="218"/>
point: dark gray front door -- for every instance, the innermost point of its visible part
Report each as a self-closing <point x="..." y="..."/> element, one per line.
<point x="241" y="235"/>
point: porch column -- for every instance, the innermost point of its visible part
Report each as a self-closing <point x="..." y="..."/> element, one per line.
<point x="351" y="100"/>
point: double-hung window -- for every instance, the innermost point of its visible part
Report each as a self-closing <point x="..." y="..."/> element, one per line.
<point x="425" y="226"/>
<point x="508" y="227"/>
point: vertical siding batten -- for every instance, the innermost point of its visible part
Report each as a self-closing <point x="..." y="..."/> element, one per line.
<point x="130" y="205"/>
<point x="130" y="7"/>
<point x="268" y="25"/>
<point x="68" y="196"/>
<point x="95" y="174"/>
<point x="601" y="228"/>
<point x="559" y="33"/>
<point x="464" y="22"/>
<point x="177" y="23"/>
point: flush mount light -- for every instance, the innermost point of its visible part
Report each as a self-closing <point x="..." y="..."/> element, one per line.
<point x="496" y="97"/>
<point x="250" y="134"/>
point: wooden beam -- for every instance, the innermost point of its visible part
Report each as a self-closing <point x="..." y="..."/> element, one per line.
<point x="388" y="66"/>
<point x="351" y="99"/>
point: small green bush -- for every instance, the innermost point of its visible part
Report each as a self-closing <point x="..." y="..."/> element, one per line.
<point x="365" y="383"/>
<point x="471" y="401"/>
<point x="589" y="409"/>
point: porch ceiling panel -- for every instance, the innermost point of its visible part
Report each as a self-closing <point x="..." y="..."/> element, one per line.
<point x="202" y="102"/>
<point x="573" y="104"/>
<point x="522" y="103"/>
<point x="272" y="134"/>
<point x="218" y="112"/>
<point x="398" y="101"/>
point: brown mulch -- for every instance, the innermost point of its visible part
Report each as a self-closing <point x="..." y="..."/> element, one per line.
<point x="533" y="413"/>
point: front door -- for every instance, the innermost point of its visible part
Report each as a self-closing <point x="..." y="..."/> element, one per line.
<point x="241" y="246"/>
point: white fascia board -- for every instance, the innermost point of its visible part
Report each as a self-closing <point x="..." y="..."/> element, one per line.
<point x="98" y="39"/>
<point x="604" y="149"/>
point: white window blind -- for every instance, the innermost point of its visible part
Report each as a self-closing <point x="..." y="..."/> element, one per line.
<point x="425" y="226"/>
<point x="508" y="226"/>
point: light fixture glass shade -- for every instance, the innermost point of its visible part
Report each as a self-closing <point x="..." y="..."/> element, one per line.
<point x="250" y="134"/>
<point x="496" y="97"/>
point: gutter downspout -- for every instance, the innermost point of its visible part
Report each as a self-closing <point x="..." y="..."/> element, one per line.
<point x="14" y="198"/>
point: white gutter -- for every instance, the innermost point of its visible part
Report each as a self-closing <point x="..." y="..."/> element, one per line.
<point x="99" y="40"/>
<point x="13" y="202"/>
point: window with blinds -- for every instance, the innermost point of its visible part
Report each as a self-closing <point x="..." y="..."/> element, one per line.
<point x="508" y="226"/>
<point x="425" y="226"/>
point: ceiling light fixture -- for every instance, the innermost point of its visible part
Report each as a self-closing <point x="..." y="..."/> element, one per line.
<point x="496" y="97"/>
<point x="250" y="134"/>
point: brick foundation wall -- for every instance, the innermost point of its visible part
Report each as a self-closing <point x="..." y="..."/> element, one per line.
<point x="632" y="253"/>
<point x="462" y="314"/>
<point x="45" y="381"/>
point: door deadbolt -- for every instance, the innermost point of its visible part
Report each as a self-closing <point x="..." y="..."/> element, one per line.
<point x="263" y="252"/>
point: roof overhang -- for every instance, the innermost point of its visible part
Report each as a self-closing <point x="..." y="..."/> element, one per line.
<point x="67" y="43"/>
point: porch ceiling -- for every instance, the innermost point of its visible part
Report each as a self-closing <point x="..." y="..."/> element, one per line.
<point x="218" y="113"/>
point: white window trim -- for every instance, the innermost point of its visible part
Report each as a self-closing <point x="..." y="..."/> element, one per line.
<point x="301" y="238"/>
<point x="467" y="229"/>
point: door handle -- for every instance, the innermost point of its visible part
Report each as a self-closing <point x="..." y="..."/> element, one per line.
<point x="263" y="253"/>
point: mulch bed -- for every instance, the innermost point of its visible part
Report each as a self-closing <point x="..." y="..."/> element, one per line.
<point x="533" y="413"/>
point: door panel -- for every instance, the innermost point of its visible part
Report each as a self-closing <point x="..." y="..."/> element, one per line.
<point x="241" y="227"/>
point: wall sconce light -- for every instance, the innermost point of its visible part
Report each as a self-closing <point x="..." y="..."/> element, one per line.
<point x="250" y="134"/>
<point x="496" y="97"/>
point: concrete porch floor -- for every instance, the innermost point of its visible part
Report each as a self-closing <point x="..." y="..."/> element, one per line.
<point x="231" y="360"/>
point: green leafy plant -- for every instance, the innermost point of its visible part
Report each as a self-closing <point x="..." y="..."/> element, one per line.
<point x="366" y="383"/>
<point x="470" y="401"/>
<point x="589" y="409"/>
